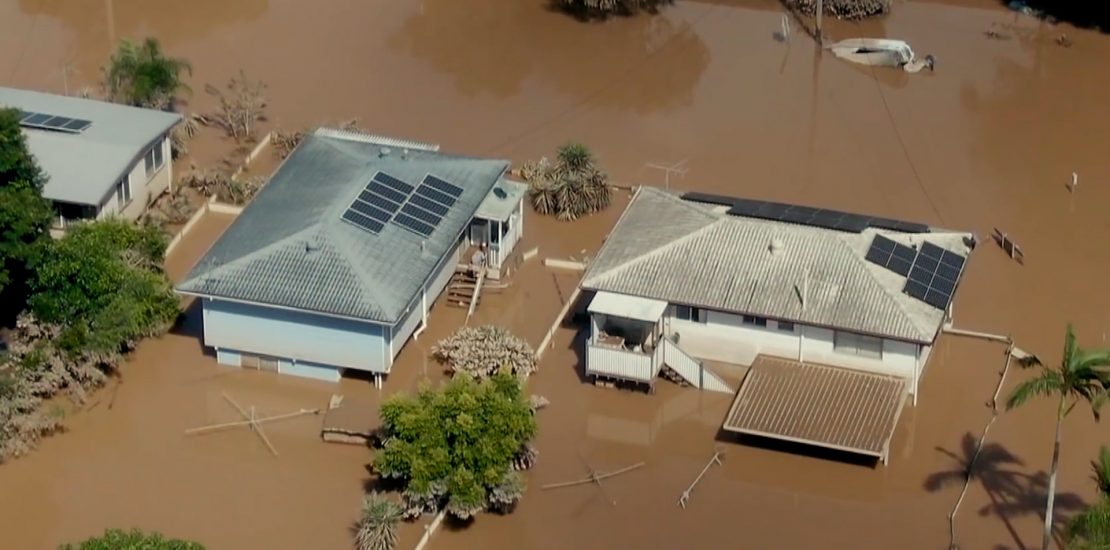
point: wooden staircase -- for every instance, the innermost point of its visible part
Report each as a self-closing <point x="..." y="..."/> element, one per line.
<point x="465" y="289"/>
<point x="671" y="375"/>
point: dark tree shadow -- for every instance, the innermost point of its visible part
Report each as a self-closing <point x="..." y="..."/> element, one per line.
<point x="1013" y="492"/>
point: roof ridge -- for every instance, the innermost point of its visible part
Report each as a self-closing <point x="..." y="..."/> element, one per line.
<point x="224" y="266"/>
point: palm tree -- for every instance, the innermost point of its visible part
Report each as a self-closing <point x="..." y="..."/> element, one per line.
<point x="1091" y="529"/>
<point x="1080" y="377"/>
<point x="377" y="528"/>
<point x="140" y="75"/>
<point x="571" y="187"/>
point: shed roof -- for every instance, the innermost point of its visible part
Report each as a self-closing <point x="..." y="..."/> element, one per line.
<point x="289" y="248"/>
<point x="629" y="307"/>
<point x="691" y="253"/>
<point x="830" y="407"/>
<point x="502" y="201"/>
<point x="84" y="167"/>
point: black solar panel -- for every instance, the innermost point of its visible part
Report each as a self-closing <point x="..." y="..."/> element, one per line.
<point x="709" y="198"/>
<point x="422" y="215"/>
<point x="380" y="189"/>
<point x="371" y="211"/>
<point x="934" y="275"/>
<point x="413" y="224"/>
<point x="805" y="215"/>
<point x="393" y="183"/>
<point x="53" y="122"/>
<point x="894" y="256"/>
<point x="379" y="201"/>
<point x="364" y="222"/>
<point x="429" y="205"/>
<point x="441" y="198"/>
<point x="443" y="186"/>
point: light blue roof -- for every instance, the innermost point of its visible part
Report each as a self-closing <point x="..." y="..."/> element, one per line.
<point x="84" y="167"/>
<point x="291" y="249"/>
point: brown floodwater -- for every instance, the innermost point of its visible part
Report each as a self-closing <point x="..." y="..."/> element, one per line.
<point x="988" y="140"/>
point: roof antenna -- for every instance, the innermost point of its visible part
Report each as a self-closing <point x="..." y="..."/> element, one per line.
<point x="676" y="168"/>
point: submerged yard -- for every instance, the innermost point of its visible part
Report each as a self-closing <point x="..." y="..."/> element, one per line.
<point x="988" y="140"/>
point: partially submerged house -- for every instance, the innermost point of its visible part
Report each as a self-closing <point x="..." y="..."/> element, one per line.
<point x="102" y="159"/>
<point x="338" y="260"/>
<point x="816" y="302"/>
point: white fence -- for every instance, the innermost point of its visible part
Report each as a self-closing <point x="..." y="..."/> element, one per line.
<point x="626" y="365"/>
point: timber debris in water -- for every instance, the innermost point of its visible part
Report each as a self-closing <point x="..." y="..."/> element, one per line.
<point x="250" y="420"/>
<point x="685" y="498"/>
<point x="595" y="478"/>
<point x="852" y="10"/>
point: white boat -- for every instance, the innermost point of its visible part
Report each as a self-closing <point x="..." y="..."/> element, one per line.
<point x="881" y="52"/>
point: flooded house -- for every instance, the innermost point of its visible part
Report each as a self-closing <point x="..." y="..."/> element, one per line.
<point x="101" y="159"/>
<point x="338" y="260"/>
<point x="805" y="306"/>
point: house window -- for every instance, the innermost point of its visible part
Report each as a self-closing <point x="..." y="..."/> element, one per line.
<point x="858" y="344"/>
<point x="688" y="313"/>
<point x="785" y="326"/>
<point x="755" y="321"/>
<point x="153" y="160"/>
<point x="123" y="191"/>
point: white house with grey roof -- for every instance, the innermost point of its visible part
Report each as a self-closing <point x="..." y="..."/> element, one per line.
<point x="102" y="159"/>
<point x="337" y="261"/>
<point x="835" y="313"/>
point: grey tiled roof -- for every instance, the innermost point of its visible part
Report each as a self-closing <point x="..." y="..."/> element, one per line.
<point x="84" y="168"/>
<point x="694" y="254"/>
<point x="289" y="247"/>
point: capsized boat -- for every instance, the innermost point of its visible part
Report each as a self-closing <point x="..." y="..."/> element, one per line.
<point x="881" y="52"/>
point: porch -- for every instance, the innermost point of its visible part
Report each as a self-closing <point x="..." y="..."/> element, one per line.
<point x="628" y="342"/>
<point x="497" y="227"/>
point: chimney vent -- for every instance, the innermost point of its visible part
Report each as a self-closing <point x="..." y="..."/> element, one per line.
<point x="776" y="246"/>
<point x="384" y="152"/>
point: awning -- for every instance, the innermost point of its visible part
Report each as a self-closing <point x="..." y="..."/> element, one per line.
<point x="629" y="307"/>
<point x="501" y="201"/>
<point x="830" y="407"/>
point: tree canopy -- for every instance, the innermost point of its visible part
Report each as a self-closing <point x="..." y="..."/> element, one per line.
<point x="571" y="187"/>
<point x="1091" y="528"/>
<point x="116" y="539"/>
<point x="103" y="282"/>
<point x="24" y="215"/>
<point x="141" y="75"/>
<point x="455" y="446"/>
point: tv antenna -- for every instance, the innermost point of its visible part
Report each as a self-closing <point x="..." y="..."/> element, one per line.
<point x="676" y="168"/>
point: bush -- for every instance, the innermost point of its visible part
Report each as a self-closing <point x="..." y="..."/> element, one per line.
<point x="570" y="188"/>
<point x="456" y="446"/>
<point x="481" y="352"/>
<point x="115" y="539"/>
<point x="140" y="75"/>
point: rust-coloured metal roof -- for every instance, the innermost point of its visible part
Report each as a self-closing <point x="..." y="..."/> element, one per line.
<point x="819" y="405"/>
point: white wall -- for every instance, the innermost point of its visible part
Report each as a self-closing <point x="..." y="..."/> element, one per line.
<point x="143" y="190"/>
<point x="403" y="330"/>
<point x="724" y="337"/>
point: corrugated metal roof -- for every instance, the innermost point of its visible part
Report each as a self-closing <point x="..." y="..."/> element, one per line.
<point x="689" y="253"/>
<point x="84" y="167"/>
<point x="502" y="201"/>
<point x="826" y="406"/>
<point x="289" y="247"/>
<point x="629" y="307"/>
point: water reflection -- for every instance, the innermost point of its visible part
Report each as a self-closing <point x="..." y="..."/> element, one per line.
<point x="640" y="426"/>
<point x="494" y="46"/>
<point x="171" y="22"/>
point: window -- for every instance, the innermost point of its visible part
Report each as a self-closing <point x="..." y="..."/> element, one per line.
<point x="755" y="321"/>
<point x="123" y="191"/>
<point x="786" y="326"/>
<point x="858" y="344"/>
<point x="688" y="313"/>
<point x="153" y="160"/>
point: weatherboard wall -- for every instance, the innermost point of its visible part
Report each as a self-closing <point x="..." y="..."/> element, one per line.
<point x="315" y="340"/>
<point x="143" y="189"/>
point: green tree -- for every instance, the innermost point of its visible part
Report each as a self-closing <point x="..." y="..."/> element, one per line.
<point x="455" y="446"/>
<point x="377" y="528"/>
<point x="141" y="75"/>
<point x="103" y="282"/>
<point x="115" y="539"/>
<point x="606" y="8"/>
<point x="572" y="187"/>
<point x="24" y="215"/>
<point x="1090" y="530"/>
<point x="1081" y="377"/>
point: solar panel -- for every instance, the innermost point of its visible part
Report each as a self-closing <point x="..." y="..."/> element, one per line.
<point x="442" y="198"/>
<point x="46" y="121"/>
<point x="370" y="211"/>
<point x="387" y="192"/>
<point x="422" y="215"/>
<point x="363" y="222"/>
<point x="934" y="275"/>
<point x="36" y="119"/>
<point x="76" y="125"/>
<point x="379" y="201"/>
<point x="709" y="198"/>
<point x="896" y="257"/>
<point x="440" y="185"/>
<point x="429" y="205"/>
<point x="57" y="122"/>
<point x="393" y="183"/>
<point x="413" y="224"/>
<point x="805" y="215"/>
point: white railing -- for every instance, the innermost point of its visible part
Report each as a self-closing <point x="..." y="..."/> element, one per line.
<point x="618" y="363"/>
<point x="692" y="370"/>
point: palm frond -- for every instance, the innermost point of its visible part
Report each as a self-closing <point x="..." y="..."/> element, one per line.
<point x="1100" y="471"/>
<point x="1047" y="384"/>
<point x="1069" y="345"/>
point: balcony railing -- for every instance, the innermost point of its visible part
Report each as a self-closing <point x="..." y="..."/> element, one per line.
<point x="624" y="364"/>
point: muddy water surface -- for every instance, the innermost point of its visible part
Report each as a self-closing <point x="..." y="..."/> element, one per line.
<point x="988" y="140"/>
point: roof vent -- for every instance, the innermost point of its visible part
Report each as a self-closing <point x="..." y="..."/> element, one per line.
<point x="499" y="193"/>
<point x="776" y="246"/>
<point x="383" y="152"/>
<point x="405" y="154"/>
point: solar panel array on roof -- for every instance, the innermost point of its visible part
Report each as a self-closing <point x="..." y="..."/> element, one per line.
<point x="44" y="121"/>
<point x="894" y="256"/>
<point x="933" y="276"/>
<point x="426" y="208"/>
<point x="804" y="215"/>
<point x="377" y="203"/>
